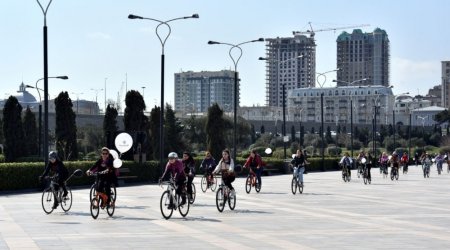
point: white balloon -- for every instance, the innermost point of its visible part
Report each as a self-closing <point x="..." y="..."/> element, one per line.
<point x="293" y="156"/>
<point x="123" y="142"/>
<point x="114" y="153"/>
<point x="268" y="151"/>
<point x="117" y="163"/>
<point x="363" y="160"/>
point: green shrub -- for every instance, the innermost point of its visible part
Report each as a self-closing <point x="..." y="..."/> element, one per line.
<point x="334" y="151"/>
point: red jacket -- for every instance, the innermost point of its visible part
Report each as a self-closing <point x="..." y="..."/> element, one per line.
<point x="254" y="161"/>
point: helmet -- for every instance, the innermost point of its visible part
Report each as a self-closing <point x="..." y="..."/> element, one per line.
<point x="52" y="155"/>
<point x="172" y="155"/>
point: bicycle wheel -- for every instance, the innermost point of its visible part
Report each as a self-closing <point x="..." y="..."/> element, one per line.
<point x="213" y="185"/>
<point x="248" y="184"/>
<point x="232" y="201"/>
<point x="92" y="192"/>
<point x="396" y="175"/>
<point x="257" y="185"/>
<point x="183" y="209"/>
<point x="165" y="205"/>
<point x="365" y="179"/>
<point x="220" y="199"/>
<point x="113" y="193"/>
<point x="204" y="184"/>
<point x="300" y="187"/>
<point x="294" y="185"/>
<point x="66" y="202"/>
<point x="95" y="207"/>
<point x="192" y="199"/>
<point x="47" y="200"/>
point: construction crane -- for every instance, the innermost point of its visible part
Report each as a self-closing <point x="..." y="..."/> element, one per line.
<point x="312" y="32"/>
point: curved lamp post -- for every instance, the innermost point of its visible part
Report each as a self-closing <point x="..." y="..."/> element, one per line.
<point x="284" y="95"/>
<point x="235" y="60"/>
<point x="163" y="40"/>
<point x="40" y="106"/>
<point x="324" y="77"/>
<point x="45" y="80"/>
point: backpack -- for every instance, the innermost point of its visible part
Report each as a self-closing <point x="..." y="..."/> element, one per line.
<point x="346" y="161"/>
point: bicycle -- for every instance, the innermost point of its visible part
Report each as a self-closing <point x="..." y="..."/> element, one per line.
<point x="49" y="194"/>
<point x="365" y="172"/>
<point x="360" y="168"/>
<point x="112" y="187"/>
<point x="192" y="197"/>
<point x="346" y="173"/>
<point x="394" y="173"/>
<point x="252" y="181"/>
<point x="426" y="169"/>
<point x="208" y="181"/>
<point x="384" y="169"/>
<point x="405" y="167"/>
<point x="295" y="183"/>
<point x="100" y="199"/>
<point x="223" y="195"/>
<point x="439" y="164"/>
<point x="170" y="200"/>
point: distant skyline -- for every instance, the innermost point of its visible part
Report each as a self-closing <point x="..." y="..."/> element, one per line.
<point x="93" y="40"/>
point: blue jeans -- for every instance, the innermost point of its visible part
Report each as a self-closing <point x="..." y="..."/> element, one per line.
<point x="258" y="172"/>
<point x="298" y="171"/>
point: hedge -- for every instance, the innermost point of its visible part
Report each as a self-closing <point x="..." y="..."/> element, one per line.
<point x="24" y="175"/>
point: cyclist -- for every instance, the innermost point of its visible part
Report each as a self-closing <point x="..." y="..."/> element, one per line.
<point x="189" y="171"/>
<point x="394" y="161"/>
<point x="254" y="162"/>
<point x="370" y="161"/>
<point x="208" y="164"/>
<point x="176" y="169"/>
<point x="60" y="172"/>
<point x="439" y="159"/>
<point x="299" y="162"/>
<point x="358" y="160"/>
<point x="346" y="162"/>
<point x="104" y="181"/>
<point x="226" y="167"/>
<point x="404" y="161"/>
<point x="383" y="162"/>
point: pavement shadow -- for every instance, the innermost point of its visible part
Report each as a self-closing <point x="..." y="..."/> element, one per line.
<point x="202" y="205"/>
<point x="132" y="207"/>
<point x="246" y="211"/>
<point x="273" y="193"/>
<point x="314" y="194"/>
<point x="197" y="219"/>
<point x="130" y="218"/>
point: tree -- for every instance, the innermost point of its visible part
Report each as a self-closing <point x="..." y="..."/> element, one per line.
<point x="263" y="130"/>
<point x="293" y="133"/>
<point x="110" y="125"/>
<point x="252" y="133"/>
<point x="135" y="121"/>
<point x="66" y="128"/>
<point x="173" y="134"/>
<point x="2" y="137"/>
<point x="12" y="129"/>
<point x="328" y="137"/>
<point x="215" y="131"/>
<point x="154" y="132"/>
<point x="30" y="133"/>
<point x="302" y="135"/>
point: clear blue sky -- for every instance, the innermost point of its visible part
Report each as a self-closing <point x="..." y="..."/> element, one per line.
<point x="93" y="40"/>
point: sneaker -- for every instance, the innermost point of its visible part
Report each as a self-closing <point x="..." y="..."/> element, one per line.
<point x="65" y="194"/>
<point x="55" y="205"/>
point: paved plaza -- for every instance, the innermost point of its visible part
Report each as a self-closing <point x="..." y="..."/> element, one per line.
<point x="411" y="213"/>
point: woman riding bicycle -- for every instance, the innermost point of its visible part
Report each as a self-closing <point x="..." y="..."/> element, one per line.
<point x="175" y="168"/>
<point x="189" y="170"/>
<point x="226" y="167"/>
<point x="346" y="162"/>
<point x="104" y="165"/>
<point x="61" y="173"/>
<point x="394" y="161"/>
<point x="254" y="162"/>
<point x="208" y="164"/>
<point x="299" y="162"/>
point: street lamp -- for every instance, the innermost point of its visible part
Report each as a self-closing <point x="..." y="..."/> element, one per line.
<point x="393" y="118"/>
<point x="40" y="106"/>
<point x="96" y="95"/>
<point x="324" y="77"/>
<point x="235" y="62"/>
<point x="163" y="43"/>
<point x="284" y="96"/>
<point x="45" y="79"/>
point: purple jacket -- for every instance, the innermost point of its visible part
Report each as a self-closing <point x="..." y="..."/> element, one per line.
<point x="175" y="169"/>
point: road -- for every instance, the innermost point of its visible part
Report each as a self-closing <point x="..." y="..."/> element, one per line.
<point x="411" y="213"/>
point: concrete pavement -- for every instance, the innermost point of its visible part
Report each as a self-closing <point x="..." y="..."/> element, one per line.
<point x="411" y="213"/>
